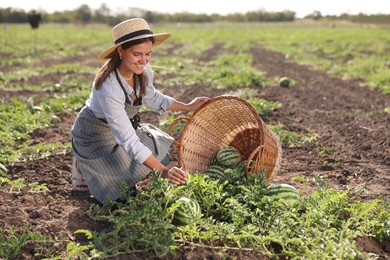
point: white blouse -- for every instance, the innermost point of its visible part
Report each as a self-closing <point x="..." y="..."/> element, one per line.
<point x="109" y="103"/>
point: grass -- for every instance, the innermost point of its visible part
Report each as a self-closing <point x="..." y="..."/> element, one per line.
<point x="347" y="51"/>
<point x="19" y="119"/>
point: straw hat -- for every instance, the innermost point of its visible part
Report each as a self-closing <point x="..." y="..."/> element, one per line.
<point x="129" y="30"/>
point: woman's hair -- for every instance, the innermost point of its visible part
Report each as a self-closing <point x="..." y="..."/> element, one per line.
<point x="113" y="63"/>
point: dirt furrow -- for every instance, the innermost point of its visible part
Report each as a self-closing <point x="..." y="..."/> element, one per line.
<point x="349" y="118"/>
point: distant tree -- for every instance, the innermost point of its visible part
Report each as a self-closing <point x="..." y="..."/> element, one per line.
<point x="12" y="15"/>
<point x="62" y="17"/>
<point x="84" y="14"/>
<point x="315" y="15"/>
<point x="150" y="16"/>
<point x="102" y="13"/>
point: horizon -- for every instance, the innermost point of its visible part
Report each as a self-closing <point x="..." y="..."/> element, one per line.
<point x="301" y="8"/>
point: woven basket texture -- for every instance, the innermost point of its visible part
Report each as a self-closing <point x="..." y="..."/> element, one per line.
<point x="227" y="121"/>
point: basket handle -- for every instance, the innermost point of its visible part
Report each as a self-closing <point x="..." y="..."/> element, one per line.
<point x="254" y="152"/>
<point x="179" y="118"/>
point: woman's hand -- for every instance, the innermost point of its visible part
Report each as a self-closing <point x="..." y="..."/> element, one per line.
<point x="191" y="106"/>
<point x="197" y="102"/>
<point x="175" y="175"/>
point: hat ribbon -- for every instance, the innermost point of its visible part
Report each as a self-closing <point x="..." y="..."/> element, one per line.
<point x="132" y="35"/>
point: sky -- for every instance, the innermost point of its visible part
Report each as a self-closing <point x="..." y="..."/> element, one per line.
<point x="300" y="7"/>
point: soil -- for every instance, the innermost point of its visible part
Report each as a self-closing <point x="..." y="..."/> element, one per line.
<point x="347" y="117"/>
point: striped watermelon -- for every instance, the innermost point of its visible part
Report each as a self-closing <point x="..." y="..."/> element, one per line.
<point x="228" y="156"/>
<point x="213" y="159"/>
<point x="215" y="172"/>
<point x="187" y="212"/>
<point x="285" y="192"/>
<point x="242" y="165"/>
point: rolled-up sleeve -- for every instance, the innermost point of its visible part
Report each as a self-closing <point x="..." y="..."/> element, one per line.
<point x="112" y="102"/>
<point x="153" y="99"/>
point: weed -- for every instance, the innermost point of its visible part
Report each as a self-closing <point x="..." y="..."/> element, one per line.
<point x="12" y="243"/>
<point x="290" y="138"/>
<point x="301" y="179"/>
<point x="262" y="106"/>
<point x="15" y="186"/>
<point x="324" y="150"/>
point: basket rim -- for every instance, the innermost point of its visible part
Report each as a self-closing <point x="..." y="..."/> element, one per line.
<point x="213" y="100"/>
<point x="227" y="97"/>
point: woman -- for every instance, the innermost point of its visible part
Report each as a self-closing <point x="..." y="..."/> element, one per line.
<point x="112" y="149"/>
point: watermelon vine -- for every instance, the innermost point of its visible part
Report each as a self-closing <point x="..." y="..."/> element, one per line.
<point x="237" y="215"/>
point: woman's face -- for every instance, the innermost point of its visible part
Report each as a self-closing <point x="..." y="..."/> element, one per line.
<point x="136" y="57"/>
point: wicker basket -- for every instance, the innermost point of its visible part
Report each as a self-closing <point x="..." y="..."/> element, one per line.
<point x="227" y="121"/>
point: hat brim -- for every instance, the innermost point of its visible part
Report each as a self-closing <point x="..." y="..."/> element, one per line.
<point x="158" y="39"/>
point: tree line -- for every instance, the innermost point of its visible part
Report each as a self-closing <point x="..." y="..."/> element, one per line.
<point x="85" y="15"/>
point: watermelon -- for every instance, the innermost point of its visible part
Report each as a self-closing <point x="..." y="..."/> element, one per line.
<point x="242" y="165"/>
<point x="228" y="156"/>
<point x="284" y="192"/>
<point x="187" y="212"/>
<point x="213" y="159"/>
<point x="284" y="82"/>
<point x="215" y="172"/>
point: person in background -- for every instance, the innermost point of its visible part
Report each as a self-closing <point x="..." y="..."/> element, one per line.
<point x="112" y="149"/>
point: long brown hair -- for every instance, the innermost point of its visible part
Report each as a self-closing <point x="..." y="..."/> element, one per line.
<point x="113" y="63"/>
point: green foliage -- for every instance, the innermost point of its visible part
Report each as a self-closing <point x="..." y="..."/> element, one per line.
<point x="3" y="170"/>
<point x="301" y="179"/>
<point x="237" y="215"/>
<point x="348" y="52"/>
<point x="12" y="243"/>
<point x="168" y="120"/>
<point x="227" y="71"/>
<point x="290" y="138"/>
<point x="15" y="186"/>
<point x="18" y="120"/>
<point x="232" y="71"/>
<point x="262" y="106"/>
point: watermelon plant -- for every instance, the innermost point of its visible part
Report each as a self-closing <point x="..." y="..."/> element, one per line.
<point x="3" y="170"/>
<point x="238" y="215"/>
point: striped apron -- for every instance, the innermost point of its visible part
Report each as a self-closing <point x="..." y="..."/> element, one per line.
<point x="106" y="167"/>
